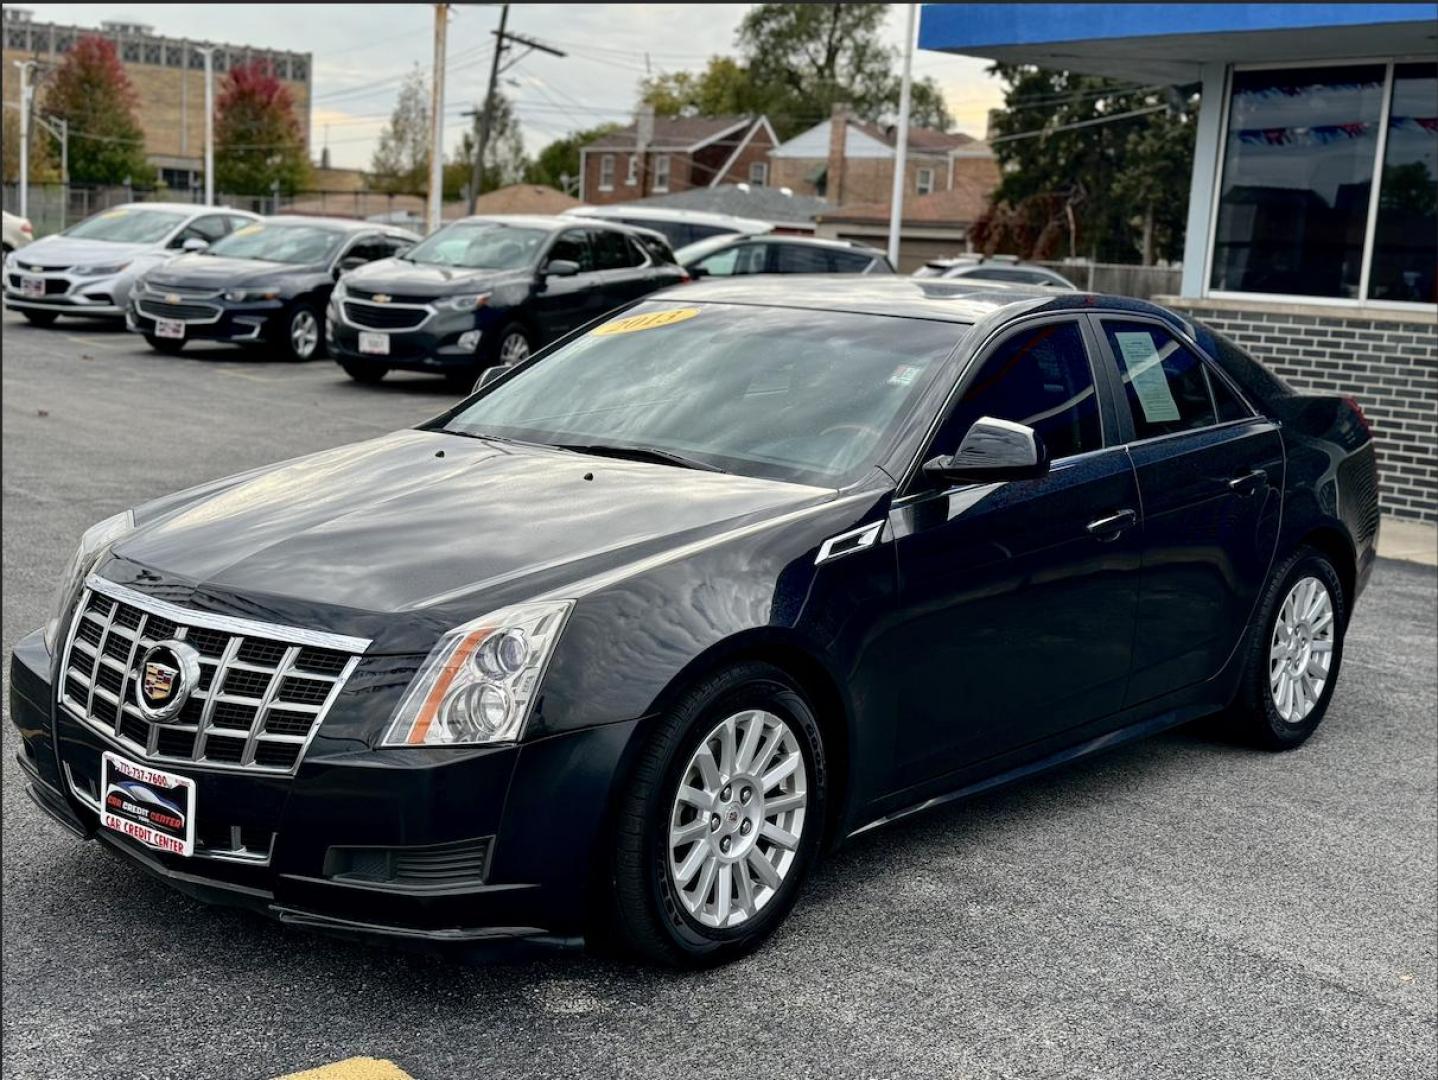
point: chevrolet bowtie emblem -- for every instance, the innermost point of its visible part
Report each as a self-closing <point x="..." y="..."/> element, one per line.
<point x="172" y="298"/>
<point x="381" y="298"/>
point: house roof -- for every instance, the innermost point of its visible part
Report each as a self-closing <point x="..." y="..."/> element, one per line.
<point x="742" y="200"/>
<point x="963" y="204"/>
<point x="676" y="133"/>
<point x="863" y="139"/>
<point x="524" y="199"/>
<point x="921" y="140"/>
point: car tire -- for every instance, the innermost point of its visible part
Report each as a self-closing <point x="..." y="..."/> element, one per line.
<point x="170" y="346"/>
<point x="665" y="892"/>
<point x="304" y="338"/>
<point x="513" y="345"/>
<point x="40" y="318"/>
<point x="369" y="374"/>
<point x="1286" y="688"/>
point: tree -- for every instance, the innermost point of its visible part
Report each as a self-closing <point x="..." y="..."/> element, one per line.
<point x="44" y="157"/>
<point x="258" y="141"/>
<point x="91" y="92"/>
<point x="560" y="158"/>
<point x="401" y="161"/>
<point x="504" y="154"/>
<point x="723" y="88"/>
<point x="1114" y="191"/>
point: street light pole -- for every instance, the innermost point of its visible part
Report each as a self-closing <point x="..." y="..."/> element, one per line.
<point x="24" y="66"/>
<point x="208" y="52"/>
<point x="436" y="138"/>
<point x="901" y="151"/>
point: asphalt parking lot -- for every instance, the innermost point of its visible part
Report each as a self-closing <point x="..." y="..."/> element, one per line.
<point x="1179" y="908"/>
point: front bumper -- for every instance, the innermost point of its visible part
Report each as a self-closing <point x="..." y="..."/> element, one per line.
<point x="431" y="346"/>
<point x="537" y="811"/>
<point x="69" y="294"/>
<point x="213" y="319"/>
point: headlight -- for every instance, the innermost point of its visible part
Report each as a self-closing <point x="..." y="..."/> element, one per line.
<point x="479" y="683"/>
<point x="101" y="269"/>
<point x="93" y="544"/>
<point x="236" y="296"/>
<point x="468" y="302"/>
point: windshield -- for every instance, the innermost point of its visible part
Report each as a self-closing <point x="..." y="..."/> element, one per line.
<point x="811" y="397"/>
<point x="298" y="244"/>
<point x="127" y="225"/>
<point x="480" y="245"/>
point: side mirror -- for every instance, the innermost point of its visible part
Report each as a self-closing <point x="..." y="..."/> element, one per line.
<point x="194" y="245"/>
<point x="697" y="271"/>
<point x="348" y="263"/>
<point x="488" y="375"/>
<point x="560" y="268"/>
<point x="993" y="450"/>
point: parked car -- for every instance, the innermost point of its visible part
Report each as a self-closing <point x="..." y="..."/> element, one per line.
<point x="679" y="227"/>
<point x="490" y="290"/>
<point x="90" y="268"/>
<point x="18" y="232"/>
<point x="632" y="636"/>
<point x="998" y="268"/>
<point x="725" y="256"/>
<point x="267" y="283"/>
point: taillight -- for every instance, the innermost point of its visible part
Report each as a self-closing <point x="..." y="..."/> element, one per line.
<point x="1352" y="403"/>
<point x="26" y="228"/>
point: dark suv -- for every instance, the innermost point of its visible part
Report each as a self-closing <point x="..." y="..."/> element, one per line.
<point x="489" y="290"/>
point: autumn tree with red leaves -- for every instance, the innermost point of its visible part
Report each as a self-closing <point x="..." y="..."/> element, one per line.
<point x="91" y="92"/>
<point x="258" y="139"/>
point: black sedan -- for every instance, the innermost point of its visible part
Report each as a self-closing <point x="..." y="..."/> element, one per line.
<point x="265" y="284"/>
<point x="622" y="643"/>
<point x="486" y="291"/>
<point x="728" y="256"/>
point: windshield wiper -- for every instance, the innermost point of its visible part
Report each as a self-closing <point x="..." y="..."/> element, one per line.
<point x="639" y="453"/>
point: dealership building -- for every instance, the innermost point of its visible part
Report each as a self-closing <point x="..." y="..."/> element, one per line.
<point x="1312" y="234"/>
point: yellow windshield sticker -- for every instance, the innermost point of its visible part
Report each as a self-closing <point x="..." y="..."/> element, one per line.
<point x="248" y="230"/>
<point x="114" y="213"/>
<point x="648" y="321"/>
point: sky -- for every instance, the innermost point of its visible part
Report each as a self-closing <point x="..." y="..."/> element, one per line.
<point x="362" y="51"/>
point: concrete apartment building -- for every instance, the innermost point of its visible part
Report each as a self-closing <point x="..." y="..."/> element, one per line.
<point x="680" y="154"/>
<point x="168" y="75"/>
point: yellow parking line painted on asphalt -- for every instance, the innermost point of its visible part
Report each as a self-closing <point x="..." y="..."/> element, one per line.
<point x="357" y="1068"/>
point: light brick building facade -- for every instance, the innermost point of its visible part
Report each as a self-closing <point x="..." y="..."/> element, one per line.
<point x="168" y="75"/>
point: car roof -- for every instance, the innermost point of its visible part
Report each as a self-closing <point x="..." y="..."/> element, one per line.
<point x="666" y="213"/>
<point x="946" y="299"/>
<point x="346" y="225"/>
<point x="805" y="241"/>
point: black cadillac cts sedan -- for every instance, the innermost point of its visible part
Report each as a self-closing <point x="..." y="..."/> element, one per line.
<point x="621" y="643"/>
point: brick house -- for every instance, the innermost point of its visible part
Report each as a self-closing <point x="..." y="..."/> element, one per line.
<point x="682" y="153"/>
<point x="845" y="161"/>
<point x="934" y="226"/>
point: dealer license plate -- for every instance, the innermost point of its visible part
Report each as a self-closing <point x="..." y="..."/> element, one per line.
<point x="32" y="286"/>
<point x="376" y="344"/>
<point x="156" y="808"/>
<point x="170" y="328"/>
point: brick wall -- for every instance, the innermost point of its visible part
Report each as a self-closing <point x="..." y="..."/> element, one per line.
<point x="866" y="180"/>
<point x="1389" y="363"/>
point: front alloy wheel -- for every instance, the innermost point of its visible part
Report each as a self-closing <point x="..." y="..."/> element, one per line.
<point x="513" y="346"/>
<point x="304" y="334"/>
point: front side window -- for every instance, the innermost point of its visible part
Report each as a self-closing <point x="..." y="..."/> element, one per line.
<point x="1040" y="377"/>
<point x="479" y="245"/>
<point x="1405" y="241"/>
<point x="295" y="244"/>
<point x="1298" y="166"/>
<point x="606" y="173"/>
<point x="739" y="259"/>
<point x="661" y="173"/>
<point x="804" y="396"/>
<point x="573" y="246"/>
<point x="127" y="225"/>
<point x="803" y="259"/>
<point x="1164" y="380"/>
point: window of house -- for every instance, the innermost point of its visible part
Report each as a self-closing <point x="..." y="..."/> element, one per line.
<point x="924" y="181"/>
<point x="1297" y="213"/>
<point x="758" y="173"/>
<point x="661" y="172"/>
<point x="606" y="172"/>
<point x="631" y="176"/>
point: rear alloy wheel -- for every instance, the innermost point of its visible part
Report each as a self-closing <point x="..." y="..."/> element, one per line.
<point x="305" y="335"/>
<point x="170" y="346"/>
<point x="39" y="318"/>
<point x="1294" y="652"/>
<point x="720" y="821"/>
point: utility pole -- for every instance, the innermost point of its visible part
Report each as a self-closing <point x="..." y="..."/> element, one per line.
<point x="436" y="111"/>
<point x="208" y="52"/>
<point x="484" y="122"/>
<point x="24" y="66"/>
<point x="60" y="128"/>
<point x="901" y="151"/>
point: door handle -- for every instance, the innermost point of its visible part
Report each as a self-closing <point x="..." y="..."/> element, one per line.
<point x="1249" y="482"/>
<point x="1108" y="528"/>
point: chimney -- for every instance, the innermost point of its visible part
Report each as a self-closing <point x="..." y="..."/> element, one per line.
<point x="838" y="132"/>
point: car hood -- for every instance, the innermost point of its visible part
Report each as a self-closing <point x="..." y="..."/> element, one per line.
<point x="427" y="279"/>
<point x="218" y="271"/>
<point x="69" y="251"/>
<point x="440" y="527"/>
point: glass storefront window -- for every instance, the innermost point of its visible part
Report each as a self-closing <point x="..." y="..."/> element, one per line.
<point x="1298" y="165"/>
<point x="1405" y="239"/>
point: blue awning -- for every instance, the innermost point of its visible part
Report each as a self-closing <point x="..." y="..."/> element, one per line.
<point x="1170" y="42"/>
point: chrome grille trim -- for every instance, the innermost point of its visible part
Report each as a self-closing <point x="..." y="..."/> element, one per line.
<point x="353" y="309"/>
<point x="100" y="606"/>
<point x="153" y="308"/>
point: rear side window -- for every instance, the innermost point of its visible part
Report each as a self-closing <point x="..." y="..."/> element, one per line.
<point x="1040" y="377"/>
<point x="653" y="248"/>
<point x="850" y="262"/>
<point x="739" y="259"/>
<point x="1163" y="380"/>
<point x="612" y="251"/>
<point x="801" y="259"/>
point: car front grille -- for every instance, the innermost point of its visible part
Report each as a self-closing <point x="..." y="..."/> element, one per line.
<point x="384" y="317"/>
<point x="262" y="693"/>
<point x="161" y="309"/>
